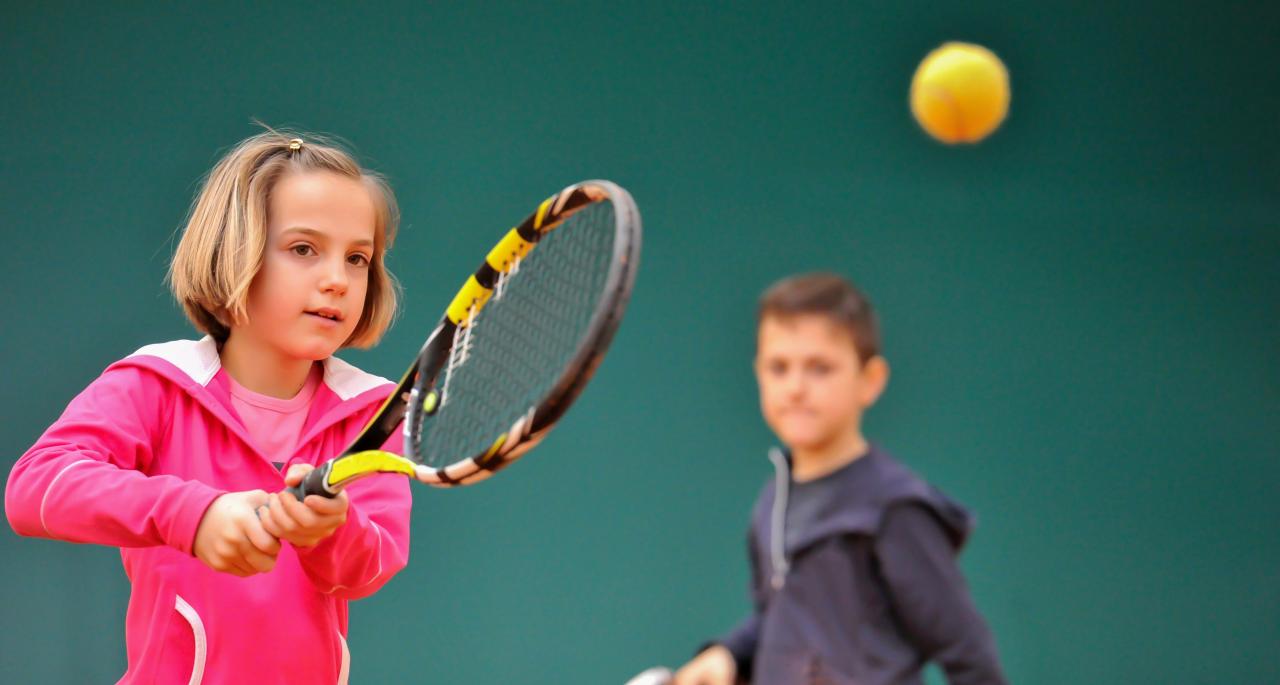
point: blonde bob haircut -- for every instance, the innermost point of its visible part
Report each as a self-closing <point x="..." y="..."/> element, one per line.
<point x="222" y="246"/>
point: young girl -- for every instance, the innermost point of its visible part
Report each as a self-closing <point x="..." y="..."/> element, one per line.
<point x="170" y="454"/>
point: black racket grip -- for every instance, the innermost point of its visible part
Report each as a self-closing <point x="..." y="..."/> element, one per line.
<point x="313" y="484"/>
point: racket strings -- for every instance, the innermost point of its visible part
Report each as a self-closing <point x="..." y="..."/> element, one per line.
<point x="462" y="336"/>
<point x="500" y="287"/>
<point x="532" y="331"/>
<point x="459" y="351"/>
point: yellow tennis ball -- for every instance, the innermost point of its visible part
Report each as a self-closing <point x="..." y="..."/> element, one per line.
<point x="960" y="93"/>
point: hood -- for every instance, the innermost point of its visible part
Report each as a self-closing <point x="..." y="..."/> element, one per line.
<point x="869" y="486"/>
<point x="194" y="366"/>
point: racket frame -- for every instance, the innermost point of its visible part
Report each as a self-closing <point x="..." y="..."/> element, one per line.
<point x="405" y="404"/>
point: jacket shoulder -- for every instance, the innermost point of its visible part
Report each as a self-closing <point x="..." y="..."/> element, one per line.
<point x="347" y="381"/>
<point x="895" y="484"/>
<point x="195" y="360"/>
<point x="863" y="494"/>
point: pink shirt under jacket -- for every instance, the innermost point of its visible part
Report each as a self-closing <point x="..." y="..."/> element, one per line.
<point x="136" y="459"/>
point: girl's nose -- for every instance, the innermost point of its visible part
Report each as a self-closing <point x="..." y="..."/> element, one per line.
<point x="334" y="278"/>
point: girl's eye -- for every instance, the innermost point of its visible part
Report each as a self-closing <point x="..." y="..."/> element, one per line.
<point x="358" y="259"/>
<point x="302" y="250"/>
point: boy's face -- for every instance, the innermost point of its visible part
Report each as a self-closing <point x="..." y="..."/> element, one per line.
<point x="813" y="389"/>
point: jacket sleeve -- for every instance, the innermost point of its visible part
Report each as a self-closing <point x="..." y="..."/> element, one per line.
<point x="931" y="599"/>
<point x="741" y="641"/>
<point x="84" y="480"/>
<point x="373" y="545"/>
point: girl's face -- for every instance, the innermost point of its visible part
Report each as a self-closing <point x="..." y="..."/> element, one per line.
<point x="310" y="292"/>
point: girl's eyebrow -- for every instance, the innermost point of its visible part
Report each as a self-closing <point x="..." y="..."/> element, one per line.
<point x="320" y="235"/>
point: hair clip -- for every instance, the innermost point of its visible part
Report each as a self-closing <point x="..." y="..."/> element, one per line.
<point x="295" y="145"/>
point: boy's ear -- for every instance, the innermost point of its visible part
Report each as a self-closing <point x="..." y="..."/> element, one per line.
<point x="875" y="376"/>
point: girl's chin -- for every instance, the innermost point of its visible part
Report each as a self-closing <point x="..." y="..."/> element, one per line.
<point x="317" y="348"/>
<point x="314" y="353"/>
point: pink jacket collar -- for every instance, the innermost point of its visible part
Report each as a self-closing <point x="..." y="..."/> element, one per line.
<point x="194" y="366"/>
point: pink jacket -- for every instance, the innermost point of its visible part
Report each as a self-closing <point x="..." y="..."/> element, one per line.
<point x="136" y="459"/>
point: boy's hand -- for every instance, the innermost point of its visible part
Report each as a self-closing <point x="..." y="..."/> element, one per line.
<point x="231" y="539"/>
<point x="714" y="666"/>
<point x="306" y="523"/>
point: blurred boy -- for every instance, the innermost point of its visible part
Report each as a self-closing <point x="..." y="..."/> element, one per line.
<point x="854" y="575"/>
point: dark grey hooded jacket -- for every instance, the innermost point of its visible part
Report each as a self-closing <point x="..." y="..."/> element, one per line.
<point x="866" y="590"/>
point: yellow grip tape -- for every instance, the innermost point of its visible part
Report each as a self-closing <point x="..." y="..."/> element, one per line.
<point x="370" y="461"/>
<point x="541" y="215"/>
<point x="472" y="293"/>
<point x="509" y="249"/>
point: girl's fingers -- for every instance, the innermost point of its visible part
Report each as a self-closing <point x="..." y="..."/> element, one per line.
<point x="329" y="506"/>
<point x="262" y="540"/>
<point x="299" y="513"/>
<point x="295" y="473"/>
<point x="258" y="562"/>
<point x="274" y="518"/>
<point x="239" y="567"/>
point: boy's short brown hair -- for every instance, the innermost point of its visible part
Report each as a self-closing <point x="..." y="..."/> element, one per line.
<point x="222" y="246"/>
<point x="828" y="295"/>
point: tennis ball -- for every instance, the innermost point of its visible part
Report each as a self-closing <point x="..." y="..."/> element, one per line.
<point x="960" y="93"/>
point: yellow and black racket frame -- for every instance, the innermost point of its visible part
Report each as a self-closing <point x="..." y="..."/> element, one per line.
<point x="416" y="396"/>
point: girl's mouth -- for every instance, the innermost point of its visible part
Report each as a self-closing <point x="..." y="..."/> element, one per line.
<point x="326" y="314"/>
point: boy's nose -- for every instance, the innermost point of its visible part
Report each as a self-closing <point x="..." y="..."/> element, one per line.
<point x="796" y="386"/>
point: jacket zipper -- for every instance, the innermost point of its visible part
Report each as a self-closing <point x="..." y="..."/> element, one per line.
<point x="778" y="520"/>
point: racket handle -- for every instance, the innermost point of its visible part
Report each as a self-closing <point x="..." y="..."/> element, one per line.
<point x="313" y="483"/>
<point x="654" y="676"/>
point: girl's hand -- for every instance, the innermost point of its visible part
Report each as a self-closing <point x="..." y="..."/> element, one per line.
<point x="306" y="523"/>
<point x="232" y="540"/>
<point x="714" y="666"/>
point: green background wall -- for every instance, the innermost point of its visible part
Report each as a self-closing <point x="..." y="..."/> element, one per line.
<point x="1081" y="312"/>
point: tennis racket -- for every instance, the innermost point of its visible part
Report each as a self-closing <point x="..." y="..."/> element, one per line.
<point x="514" y="348"/>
